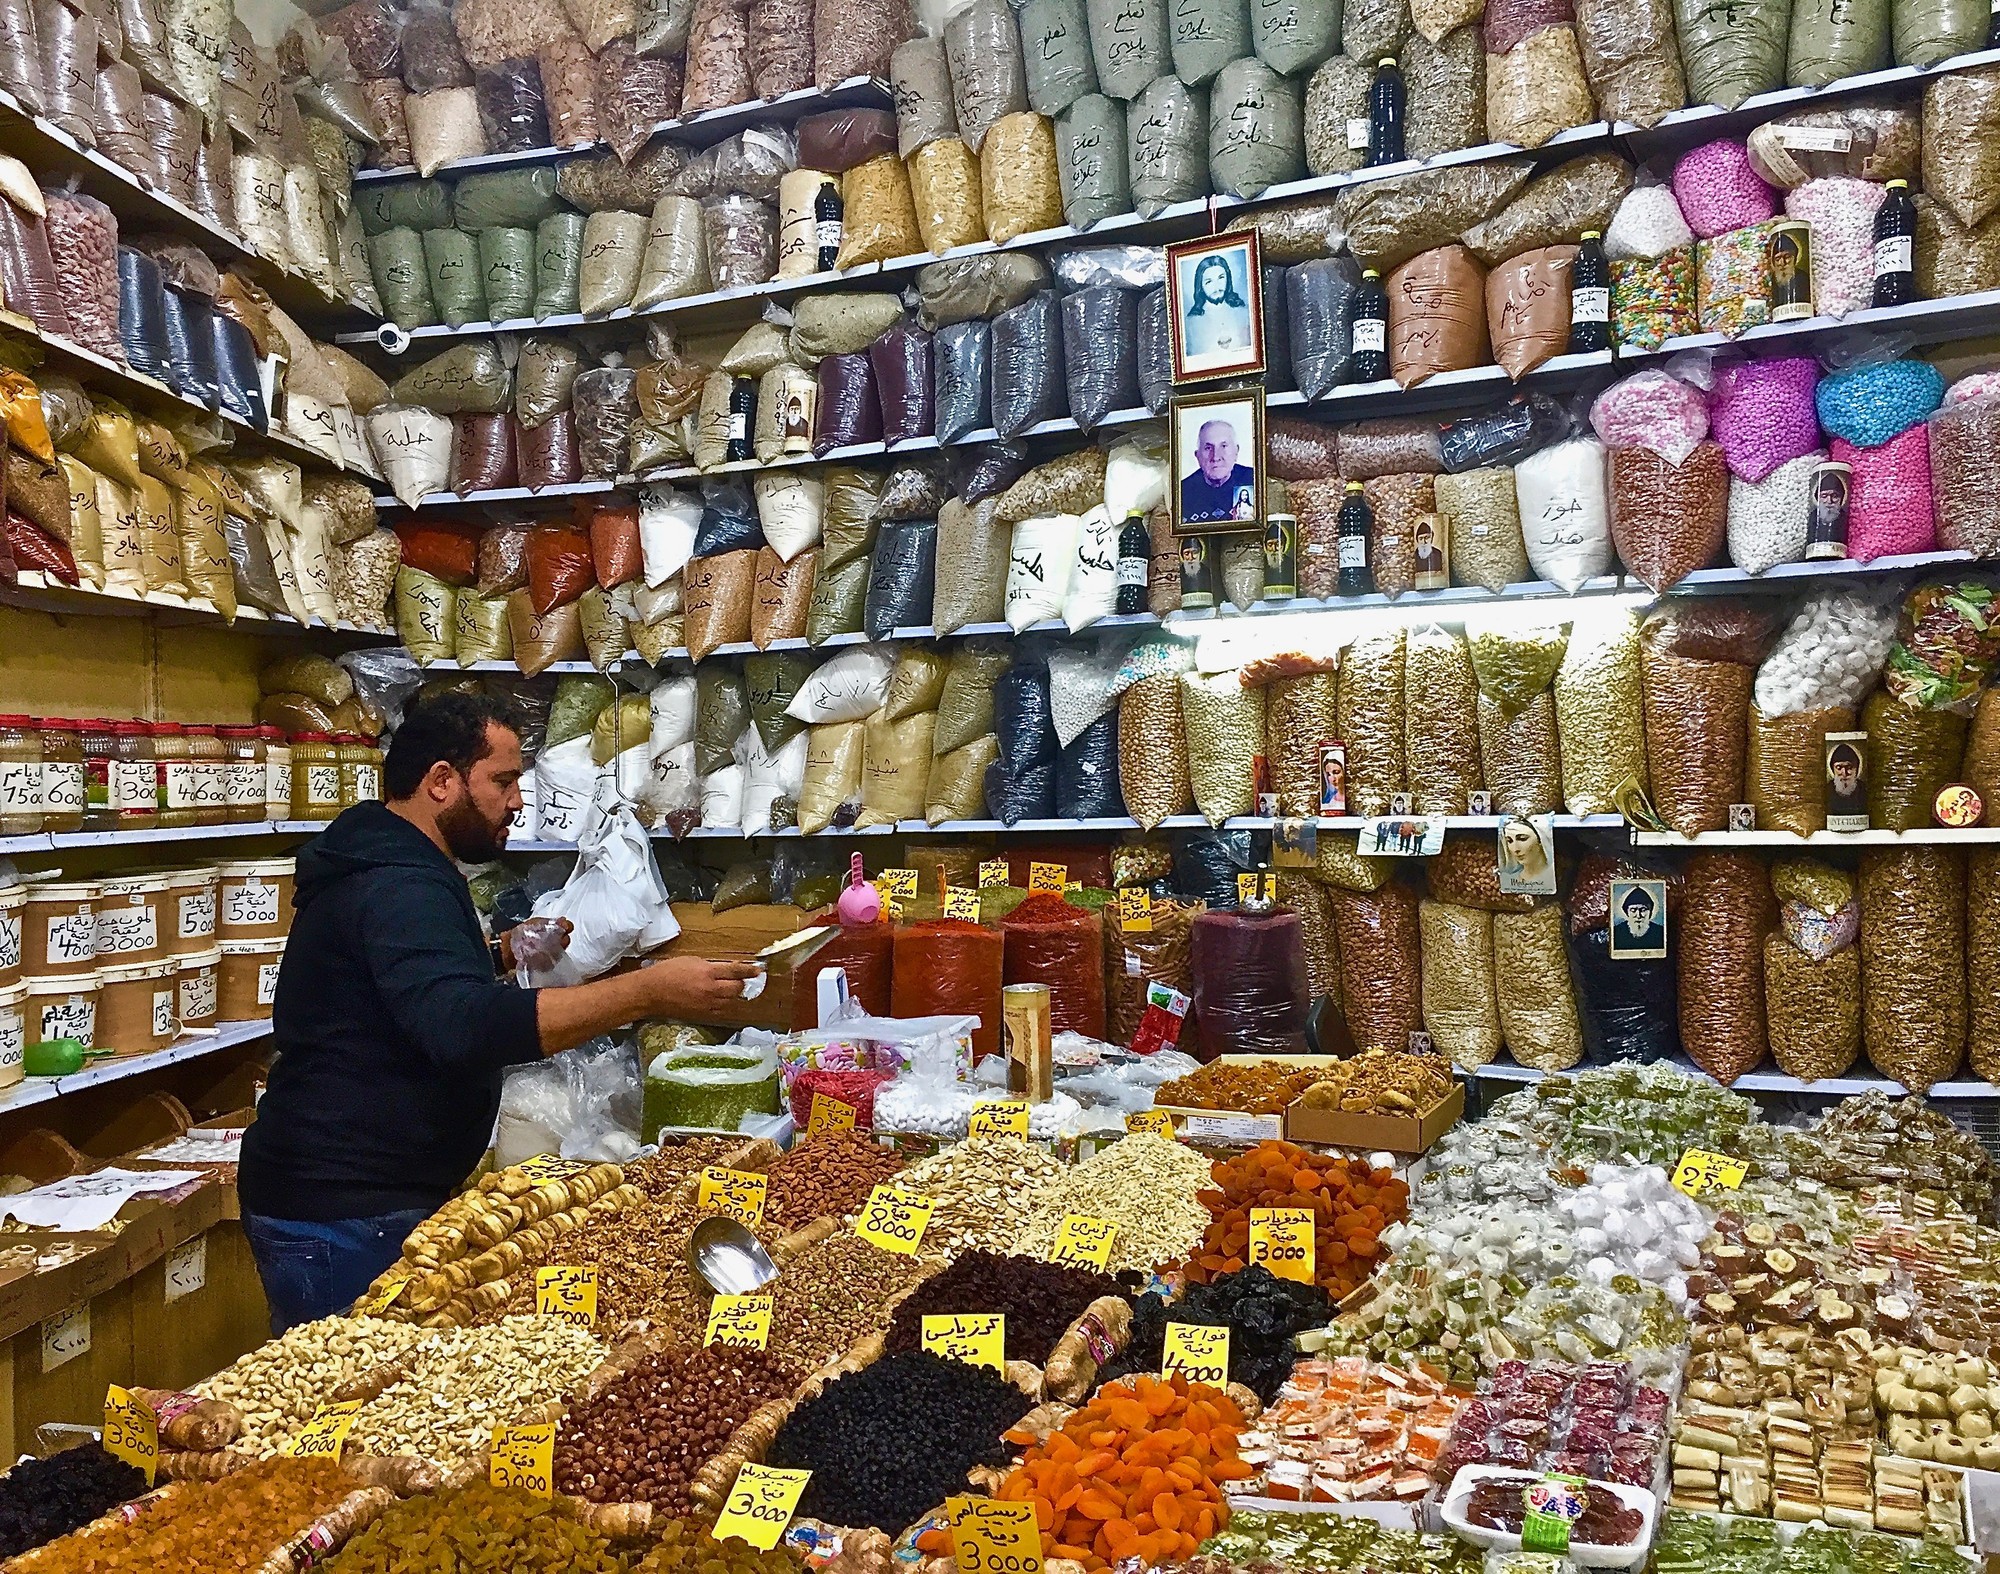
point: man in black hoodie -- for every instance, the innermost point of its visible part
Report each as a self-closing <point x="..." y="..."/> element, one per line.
<point x="392" y="1021"/>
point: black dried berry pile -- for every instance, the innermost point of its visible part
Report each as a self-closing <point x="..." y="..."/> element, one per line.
<point x="1039" y="1300"/>
<point x="1262" y="1311"/>
<point x="892" y="1441"/>
<point x="41" y="1499"/>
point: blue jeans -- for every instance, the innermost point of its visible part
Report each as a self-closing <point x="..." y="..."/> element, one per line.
<point x="312" y="1270"/>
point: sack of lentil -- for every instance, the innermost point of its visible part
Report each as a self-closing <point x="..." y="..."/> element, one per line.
<point x="1166" y="145"/>
<point x="1440" y="726"/>
<point x="1153" y="770"/>
<point x="1381" y="971"/>
<point x="1437" y="315"/>
<point x="1372" y="722"/>
<point x="1600" y="712"/>
<point x="1913" y="933"/>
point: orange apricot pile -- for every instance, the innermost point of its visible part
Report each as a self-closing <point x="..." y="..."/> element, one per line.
<point x="1351" y="1204"/>
<point x="1136" y="1473"/>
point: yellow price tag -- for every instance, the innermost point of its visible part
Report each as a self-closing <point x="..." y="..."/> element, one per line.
<point x="961" y="901"/>
<point x="743" y="1320"/>
<point x="569" y="1293"/>
<point x="1246" y="888"/>
<point x="994" y="872"/>
<point x="1700" y="1169"/>
<point x="1135" y="910"/>
<point x="131" y="1430"/>
<point x="829" y="1115"/>
<point x="760" y="1504"/>
<point x="1048" y="877"/>
<point x="1084" y="1240"/>
<point x="738" y="1193"/>
<point x="1270" y="888"/>
<point x="524" y="1457"/>
<point x="325" y="1434"/>
<point x="391" y="1293"/>
<point x="1001" y="1118"/>
<point x="548" y="1167"/>
<point x="1282" y="1240"/>
<point x="1198" y="1352"/>
<point x="978" y="1338"/>
<point x="1157" y="1121"/>
<point x="894" y="1220"/>
<point x="899" y="883"/>
<point x="992" y="1537"/>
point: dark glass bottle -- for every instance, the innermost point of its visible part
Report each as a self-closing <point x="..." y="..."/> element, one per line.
<point x="742" y="420"/>
<point x="829" y="217"/>
<point x="1135" y="564"/>
<point x="1387" y="98"/>
<point x="1370" y="326"/>
<point x="1590" y="297"/>
<point x="1357" y="524"/>
<point x="1895" y="247"/>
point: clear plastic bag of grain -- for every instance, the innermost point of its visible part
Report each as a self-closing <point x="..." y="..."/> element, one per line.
<point x="1516" y="664"/>
<point x="858" y="38"/>
<point x="1166" y="145"/>
<point x="1152" y="750"/>
<point x="1784" y="776"/>
<point x="1440" y="720"/>
<point x="1669" y="520"/>
<point x="1537" y="1001"/>
<point x="1483" y="519"/>
<point x="1812" y="1009"/>
<point x="1381" y="966"/>
<point x="1600" y="712"/>
<point x="1913" y="910"/>
<point x="1303" y="713"/>
<point x="1446" y="82"/>
<point x="1461" y="1008"/>
<point x="1981" y="769"/>
<point x="1521" y="758"/>
<point x="1256" y="134"/>
<point x="1697" y="718"/>
<point x="718" y="56"/>
<point x="1336" y="116"/>
<point x="1371" y="720"/>
<point x="1724" y="916"/>
<point x="1402" y="505"/>
<point x="1135" y="959"/>
<point x="741" y="236"/>
<point x="1020" y="181"/>
<point x="1090" y="154"/>
<point x="880" y="214"/>
<point x="1225" y="735"/>
<point x="1911" y="756"/>
<point x="1982" y="956"/>
<point x="944" y="188"/>
<point x="1537" y="89"/>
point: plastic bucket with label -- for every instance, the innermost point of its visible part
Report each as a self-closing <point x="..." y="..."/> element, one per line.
<point x="246" y="981"/>
<point x="136" y="1008"/>
<point x="189" y="916"/>
<point x="63" y="1007"/>
<point x="59" y="930"/>
<point x="13" y="1032"/>
<point x="255" y="899"/>
<point x="13" y="904"/>
<point x="197" y="1005"/>
<point x="131" y="923"/>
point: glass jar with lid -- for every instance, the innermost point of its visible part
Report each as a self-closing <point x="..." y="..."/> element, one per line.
<point x="135" y="777"/>
<point x="99" y="745"/>
<point x="315" y="776"/>
<point x="20" y="776"/>
<point x="206" y="753"/>
<point x="63" y="791"/>
<point x="370" y="771"/>
<point x="243" y="767"/>
<point x="352" y="752"/>
<point x="174" y="773"/>
<point x="277" y="773"/>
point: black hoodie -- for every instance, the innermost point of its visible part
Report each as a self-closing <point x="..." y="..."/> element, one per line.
<point x="392" y="1032"/>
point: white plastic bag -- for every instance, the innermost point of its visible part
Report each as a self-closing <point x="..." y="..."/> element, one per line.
<point x="613" y="895"/>
<point x="668" y="520"/>
<point x="1093" y="580"/>
<point x="674" y="789"/>
<point x="565" y="782"/>
<point x="1565" y="515"/>
<point x="722" y="798"/>
<point x="790" y="506"/>
<point x="673" y="702"/>
<point x="851" y="687"/>
<point x="1039" y="564"/>
<point x="768" y="777"/>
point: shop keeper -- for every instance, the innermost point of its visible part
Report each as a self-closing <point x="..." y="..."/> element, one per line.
<point x="394" y="1019"/>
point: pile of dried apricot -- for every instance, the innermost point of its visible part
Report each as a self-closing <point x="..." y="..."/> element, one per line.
<point x="1136" y="1473"/>
<point x="1351" y="1204"/>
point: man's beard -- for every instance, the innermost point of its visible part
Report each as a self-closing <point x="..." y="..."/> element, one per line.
<point x="471" y="839"/>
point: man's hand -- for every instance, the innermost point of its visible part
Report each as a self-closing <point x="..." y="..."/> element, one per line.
<point x="692" y="986"/>
<point x="508" y="961"/>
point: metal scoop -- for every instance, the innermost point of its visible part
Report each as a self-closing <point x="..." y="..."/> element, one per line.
<point x="727" y="1258"/>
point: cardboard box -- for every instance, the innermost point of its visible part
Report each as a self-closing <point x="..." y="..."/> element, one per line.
<point x="1224" y="1128"/>
<point x="1396" y="1133"/>
<point x="783" y="937"/>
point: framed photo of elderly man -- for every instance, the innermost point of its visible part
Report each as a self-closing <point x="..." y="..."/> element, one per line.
<point x="1217" y="442"/>
<point x="1215" y="307"/>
